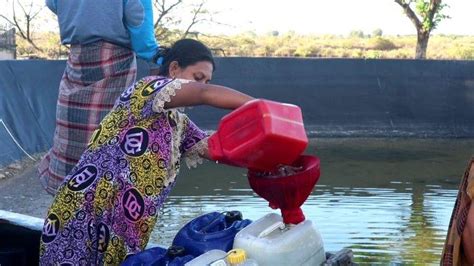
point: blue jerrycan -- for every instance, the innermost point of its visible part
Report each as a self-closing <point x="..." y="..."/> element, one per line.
<point x="214" y="230"/>
<point x="158" y="256"/>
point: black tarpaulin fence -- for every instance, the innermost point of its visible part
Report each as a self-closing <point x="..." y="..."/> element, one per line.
<point x="338" y="97"/>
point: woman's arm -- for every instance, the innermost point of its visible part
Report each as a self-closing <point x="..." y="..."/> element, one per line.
<point x="196" y="93"/>
<point x="138" y="19"/>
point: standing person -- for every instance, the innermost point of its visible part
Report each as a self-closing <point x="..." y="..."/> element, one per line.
<point x="104" y="37"/>
<point x="459" y="245"/>
<point x="108" y="205"/>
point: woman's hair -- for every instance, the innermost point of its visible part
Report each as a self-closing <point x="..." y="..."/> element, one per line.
<point x="186" y="52"/>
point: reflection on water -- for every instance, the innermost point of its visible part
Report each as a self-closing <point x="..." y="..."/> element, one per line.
<point x="389" y="200"/>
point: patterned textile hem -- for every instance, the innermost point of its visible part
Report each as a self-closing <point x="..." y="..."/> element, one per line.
<point x="164" y="96"/>
<point x="193" y="157"/>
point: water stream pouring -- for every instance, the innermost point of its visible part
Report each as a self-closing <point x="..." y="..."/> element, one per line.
<point x="288" y="191"/>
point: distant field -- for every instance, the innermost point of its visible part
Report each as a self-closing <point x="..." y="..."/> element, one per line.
<point x="294" y="45"/>
<point x="402" y="47"/>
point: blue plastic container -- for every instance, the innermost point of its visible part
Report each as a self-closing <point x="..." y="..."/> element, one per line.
<point x="210" y="231"/>
<point x="158" y="256"/>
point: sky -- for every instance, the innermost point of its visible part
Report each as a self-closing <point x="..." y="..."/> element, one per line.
<point x="338" y="17"/>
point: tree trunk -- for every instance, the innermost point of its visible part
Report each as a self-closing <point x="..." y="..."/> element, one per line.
<point x="422" y="44"/>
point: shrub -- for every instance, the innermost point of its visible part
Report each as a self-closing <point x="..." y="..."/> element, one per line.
<point x="379" y="43"/>
<point x="461" y="52"/>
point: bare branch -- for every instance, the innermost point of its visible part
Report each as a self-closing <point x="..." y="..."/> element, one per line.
<point x="165" y="25"/>
<point x="163" y="10"/>
<point x="22" y="8"/>
<point x="24" y="27"/>
<point x="7" y="19"/>
<point x="410" y="13"/>
<point x="36" y="14"/>
<point x="219" y="50"/>
<point x="195" y="19"/>
<point x="17" y="24"/>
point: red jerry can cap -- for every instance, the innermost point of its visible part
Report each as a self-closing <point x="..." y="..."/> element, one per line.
<point x="260" y="135"/>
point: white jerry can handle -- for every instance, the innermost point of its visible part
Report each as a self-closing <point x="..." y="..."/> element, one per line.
<point x="278" y="225"/>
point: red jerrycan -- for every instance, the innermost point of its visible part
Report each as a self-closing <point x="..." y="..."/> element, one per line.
<point x="260" y="135"/>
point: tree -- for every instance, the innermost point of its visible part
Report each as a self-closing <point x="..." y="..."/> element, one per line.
<point x="197" y="18"/>
<point x="23" y="21"/>
<point x="164" y="20"/>
<point x="356" y="34"/>
<point x="166" y="23"/>
<point x="377" y="32"/>
<point x="426" y="18"/>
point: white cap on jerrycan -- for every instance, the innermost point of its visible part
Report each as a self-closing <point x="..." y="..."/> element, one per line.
<point x="216" y="257"/>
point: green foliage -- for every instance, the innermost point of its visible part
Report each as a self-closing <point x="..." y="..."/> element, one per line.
<point x="423" y="9"/>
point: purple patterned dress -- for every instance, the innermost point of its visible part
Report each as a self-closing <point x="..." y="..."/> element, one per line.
<point x="107" y="206"/>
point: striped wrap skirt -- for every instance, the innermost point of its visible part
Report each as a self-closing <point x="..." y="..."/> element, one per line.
<point x="94" y="77"/>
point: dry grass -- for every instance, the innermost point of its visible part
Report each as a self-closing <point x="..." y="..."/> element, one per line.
<point x="294" y="45"/>
<point x="329" y="46"/>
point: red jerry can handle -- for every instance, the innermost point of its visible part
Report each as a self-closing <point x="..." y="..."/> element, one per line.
<point x="259" y="135"/>
<point x="215" y="149"/>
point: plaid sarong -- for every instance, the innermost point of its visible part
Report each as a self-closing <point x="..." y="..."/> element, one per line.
<point x="94" y="77"/>
<point x="453" y="253"/>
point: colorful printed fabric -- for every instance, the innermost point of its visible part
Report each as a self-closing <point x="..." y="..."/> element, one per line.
<point x="95" y="76"/>
<point x="107" y="207"/>
<point x="453" y="253"/>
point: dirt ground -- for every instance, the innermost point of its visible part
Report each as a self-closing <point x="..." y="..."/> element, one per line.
<point x="21" y="191"/>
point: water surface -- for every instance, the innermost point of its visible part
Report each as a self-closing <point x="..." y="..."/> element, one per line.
<point x="389" y="200"/>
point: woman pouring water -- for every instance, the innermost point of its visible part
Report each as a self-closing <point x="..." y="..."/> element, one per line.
<point x="108" y="205"/>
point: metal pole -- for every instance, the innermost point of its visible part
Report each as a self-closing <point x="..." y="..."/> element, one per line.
<point x="14" y="42"/>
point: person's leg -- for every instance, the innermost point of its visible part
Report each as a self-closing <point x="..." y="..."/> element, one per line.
<point x="459" y="245"/>
<point x="468" y="237"/>
<point x="95" y="76"/>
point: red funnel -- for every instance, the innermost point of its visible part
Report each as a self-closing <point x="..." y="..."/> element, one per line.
<point x="288" y="192"/>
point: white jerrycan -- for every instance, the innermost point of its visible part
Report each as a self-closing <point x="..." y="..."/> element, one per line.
<point x="272" y="243"/>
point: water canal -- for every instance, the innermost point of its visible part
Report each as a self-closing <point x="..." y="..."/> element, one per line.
<point x="389" y="200"/>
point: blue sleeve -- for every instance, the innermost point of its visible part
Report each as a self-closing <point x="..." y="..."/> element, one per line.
<point x="138" y="15"/>
<point x="52" y="5"/>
